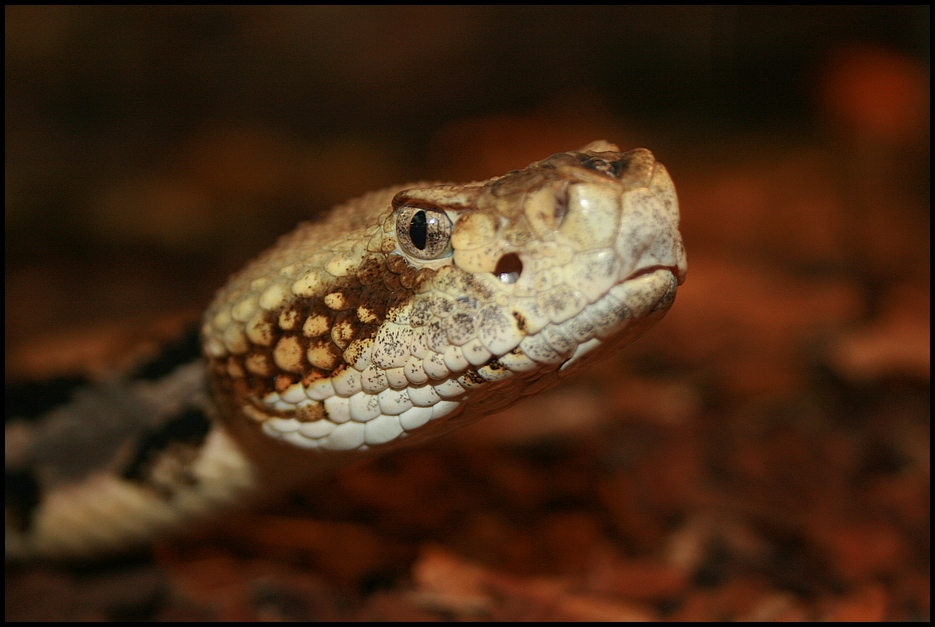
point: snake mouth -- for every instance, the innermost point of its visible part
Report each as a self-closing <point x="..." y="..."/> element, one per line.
<point x="675" y="271"/>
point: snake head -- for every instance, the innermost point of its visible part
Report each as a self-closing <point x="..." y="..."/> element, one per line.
<point x="420" y="308"/>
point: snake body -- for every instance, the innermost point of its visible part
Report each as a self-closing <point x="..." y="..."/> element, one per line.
<point x="401" y="315"/>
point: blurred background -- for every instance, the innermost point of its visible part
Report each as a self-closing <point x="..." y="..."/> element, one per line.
<point x="151" y="151"/>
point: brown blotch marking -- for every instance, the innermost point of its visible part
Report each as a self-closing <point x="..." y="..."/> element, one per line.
<point x="261" y="331"/>
<point x="260" y="364"/>
<point x="339" y="369"/>
<point x="234" y="367"/>
<point x="423" y="277"/>
<point x="344" y="295"/>
<point x="349" y="285"/>
<point x="370" y="271"/>
<point x="367" y="331"/>
<point x="397" y="303"/>
<point x="379" y="293"/>
<point x="356" y="349"/>
<point x="372" y="306"/>
<point x="255" y="387"/>
<point x="344" y="329"/>
<point x="407" y="278"/>
<point x="494" y="364"/>
<point x="242" y="387"/>
<point x="292" y="317"/>
<point x="472" y="376"/>
<point x="373" y="303"/>
<point x="289" y="354"/>
<point x="391" y="281"/>
<point x="314" y="374"/>
<point x="520" y="323"/>
<point x="397" y="263"/>
<point x="309" y="413"/>
<point x="254" y="413"/>
<point x="388" y="244"/>
<point x="283" y="381"/>
<point x="367" y="315"/>
<point x="336" y="301"/>
<point x="394" y="310"/>
<point x="239" y="390"/>
<point x="319" y="321"/>
<point x="323" y="354"/>
<point x="362" y="341"/>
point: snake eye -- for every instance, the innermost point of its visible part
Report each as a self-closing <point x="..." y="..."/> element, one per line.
<point x="423" y="233"/>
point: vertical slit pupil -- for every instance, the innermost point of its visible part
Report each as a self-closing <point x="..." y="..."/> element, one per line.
<point x="419" y="230"/>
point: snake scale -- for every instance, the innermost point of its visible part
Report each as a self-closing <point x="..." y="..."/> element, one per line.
<point x="399" y="316"/>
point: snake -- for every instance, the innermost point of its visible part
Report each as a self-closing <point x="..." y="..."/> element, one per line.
<point x="395" y="318"/>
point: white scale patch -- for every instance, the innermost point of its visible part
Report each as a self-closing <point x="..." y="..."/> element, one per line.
<point x="366" y="420"/>
<point x="365" y="411"/>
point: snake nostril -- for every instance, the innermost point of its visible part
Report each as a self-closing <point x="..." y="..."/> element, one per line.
<point x="508" y="269"/>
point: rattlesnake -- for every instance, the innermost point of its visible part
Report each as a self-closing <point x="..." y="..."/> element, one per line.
<point x="401" y="315"/>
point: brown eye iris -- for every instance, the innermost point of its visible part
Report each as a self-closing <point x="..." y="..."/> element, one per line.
<point x="422" y="232"/>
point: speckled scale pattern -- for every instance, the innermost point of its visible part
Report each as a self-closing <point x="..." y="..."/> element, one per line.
<point x="338" y="339"/>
